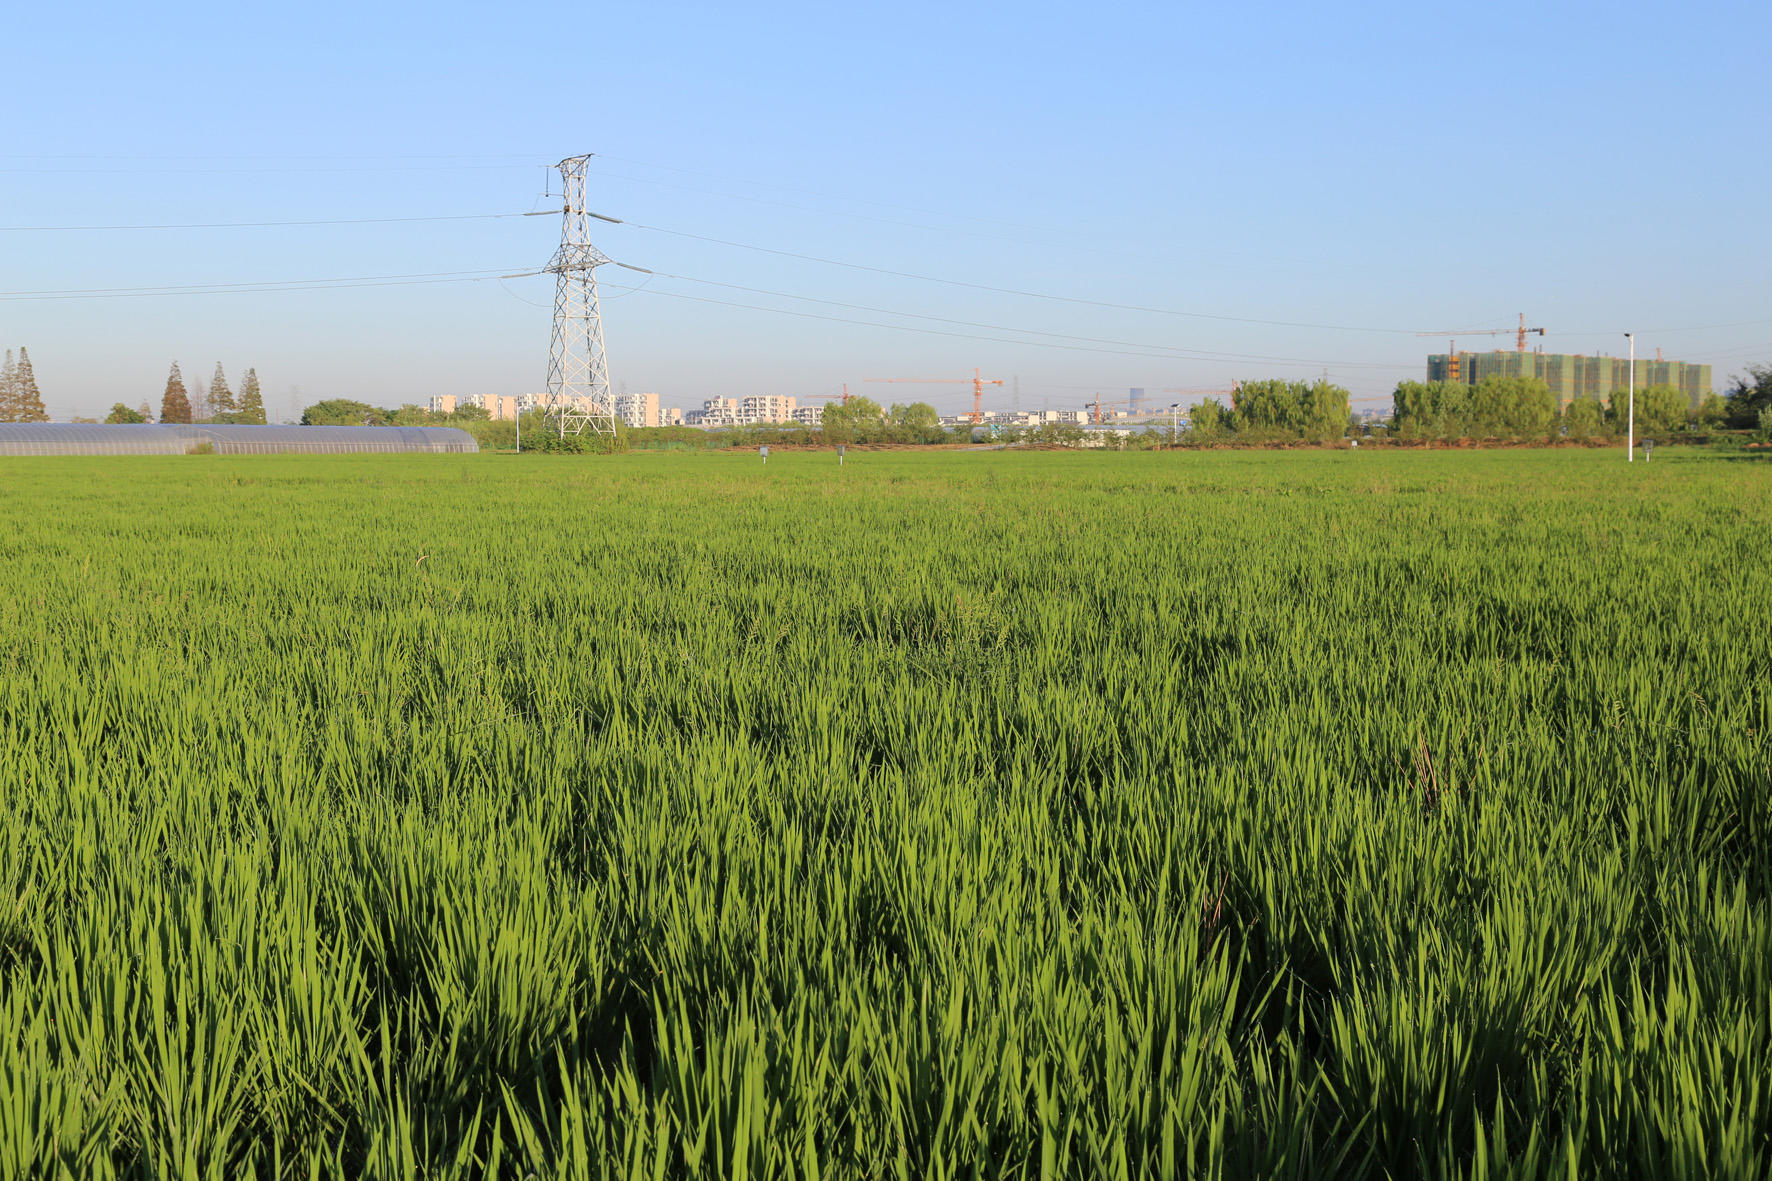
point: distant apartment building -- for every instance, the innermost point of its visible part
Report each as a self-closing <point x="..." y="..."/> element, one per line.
<point x="528" y="402"/>
<point x="1572" y="376"/>
<point x="755" y="408"/>
<point x="637" y="410"/>
<point x="495" y="405"/>
<point x="498" y="407"/>
<point x="670" y="416"/>
<point x="633" y="409"/>
<point x="1031" y="417"/>
<point x="714" y="412"/>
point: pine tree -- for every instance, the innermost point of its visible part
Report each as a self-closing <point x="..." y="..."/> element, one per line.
<point x="175" y="405"/>
<point x="8" y="383"/>
<point x="146" y="410"/>
<point x="252" y="401"/>
<point x="221" y="398"/>
<point x="25" y="396"/>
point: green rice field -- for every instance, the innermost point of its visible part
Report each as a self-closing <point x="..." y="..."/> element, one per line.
<point x="939" y="815"/>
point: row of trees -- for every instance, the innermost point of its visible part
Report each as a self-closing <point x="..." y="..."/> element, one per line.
<point x="860" y="420"/>
<point x="216" y="404"/>
<point x="20" y="400"/>
<point x="1523" y="408"/>
<point x="1261" y="411"/>
<point x="1749" y="400"/>
<point x="1273" y="411"/>
<point x="348" y="412"/>
<point x="491" y="434"/>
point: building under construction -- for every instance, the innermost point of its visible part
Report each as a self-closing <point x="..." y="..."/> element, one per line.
<point x="1572" y="376"/>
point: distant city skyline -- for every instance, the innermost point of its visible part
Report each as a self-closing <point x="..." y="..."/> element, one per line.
<point x="1156" y="197"/>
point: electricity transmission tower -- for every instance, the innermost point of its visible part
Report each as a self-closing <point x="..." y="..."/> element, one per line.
<point x="578" y="369"/>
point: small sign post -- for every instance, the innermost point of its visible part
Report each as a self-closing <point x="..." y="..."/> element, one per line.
<point x="842" y="449"/>
<point x="764" y="452"/>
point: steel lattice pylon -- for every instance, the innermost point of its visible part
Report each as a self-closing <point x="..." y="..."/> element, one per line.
<point x="578" y="370"/>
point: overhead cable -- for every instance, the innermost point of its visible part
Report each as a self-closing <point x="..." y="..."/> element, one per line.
<point x="1123" y="352"/>
<point x="334" y="221"/>
<point x="1181" y="351"/>
<point x="1124" y="307"/>
<point x="255" y="287"/>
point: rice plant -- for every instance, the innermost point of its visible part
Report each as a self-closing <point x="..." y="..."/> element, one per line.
<point x="990" y="815"/>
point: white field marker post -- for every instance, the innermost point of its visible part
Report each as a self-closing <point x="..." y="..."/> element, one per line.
<point x="1630" y="430"/>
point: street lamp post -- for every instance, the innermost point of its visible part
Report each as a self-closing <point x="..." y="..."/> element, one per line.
<point x="1630" y="429"/>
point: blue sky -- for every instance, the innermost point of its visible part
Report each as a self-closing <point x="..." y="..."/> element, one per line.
<point x="1312" y="183"/>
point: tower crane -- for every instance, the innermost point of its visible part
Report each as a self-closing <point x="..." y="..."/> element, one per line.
<point x="842" y="397"/>
<point x="1520" y="334"/>
<point x="977" y="383"/>
<point x="1095" y="414"/>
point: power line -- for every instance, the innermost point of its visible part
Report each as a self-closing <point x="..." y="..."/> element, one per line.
<point x="822" y="194"/>
<point x="266" y="169"/>
<point x="1067" y="341"/>
<point x="893" y="327"/>
<point x="1671" y="331"/>
<point x="256" y="287"/>
<point x="1181" y="352"/>
<point x="265" y="156"/>
<point x="890" y="221"/>
<point x="1081" y="343"/>
<point x="1121" y="352"/>
<point x="1124" y="307"/>
<point x="229" y="225"/>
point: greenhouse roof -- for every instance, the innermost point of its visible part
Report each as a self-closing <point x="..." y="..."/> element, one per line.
<point x="78" y="438"/>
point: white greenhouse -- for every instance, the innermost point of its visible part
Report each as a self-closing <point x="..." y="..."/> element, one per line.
<point x="62" y="438"/>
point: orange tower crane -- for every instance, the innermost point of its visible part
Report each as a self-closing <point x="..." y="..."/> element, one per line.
<point x="1116" y="403"/>
<point x="842" y="397"/>
<point x="1520" y="335"/>
<point x="978" y="383"/>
